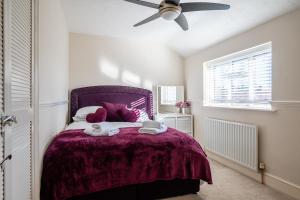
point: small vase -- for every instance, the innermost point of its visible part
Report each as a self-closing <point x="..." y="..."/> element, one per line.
<point x="179" y="110"/>
<point x="185" y="111"/>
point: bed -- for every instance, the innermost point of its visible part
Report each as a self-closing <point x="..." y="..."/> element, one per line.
<point x="128" y="165"/>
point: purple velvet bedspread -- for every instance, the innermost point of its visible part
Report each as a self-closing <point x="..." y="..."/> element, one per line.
<point x="78" y="164"/>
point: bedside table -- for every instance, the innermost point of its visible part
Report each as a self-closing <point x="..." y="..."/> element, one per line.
<point x="181" y="122"/>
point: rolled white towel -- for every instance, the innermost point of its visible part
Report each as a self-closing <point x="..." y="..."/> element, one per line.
<point x="101" y="130"/>
<point x="93" y="132"/>
<point x="153" y="131"/>
<point x="153" y="124"/>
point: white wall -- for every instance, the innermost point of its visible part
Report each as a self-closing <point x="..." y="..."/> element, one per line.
<point x="279" y="132"/>
<point x="98" y="60"/>
<point x="53" y="71"/>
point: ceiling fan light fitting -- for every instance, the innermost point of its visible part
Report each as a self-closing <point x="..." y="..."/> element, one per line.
<point x="170" y="13"/>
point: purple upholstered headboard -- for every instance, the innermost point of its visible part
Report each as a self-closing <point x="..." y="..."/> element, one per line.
<point x="130" y="96"/>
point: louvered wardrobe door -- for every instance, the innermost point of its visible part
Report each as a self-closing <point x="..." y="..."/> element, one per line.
<point x="18" y="97"/>
<point x="1" y="98"/>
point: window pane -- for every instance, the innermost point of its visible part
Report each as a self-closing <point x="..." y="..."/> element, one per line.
<point x="262" y="77"/>
<point x="239" y="81"/>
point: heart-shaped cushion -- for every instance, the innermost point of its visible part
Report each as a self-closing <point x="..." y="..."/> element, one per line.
<point x="128" y="115"/>
<point x="97" y="117"/>
<point x="112" y="111"/>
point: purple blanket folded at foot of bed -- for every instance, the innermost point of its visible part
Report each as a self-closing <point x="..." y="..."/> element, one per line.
<point x="78" y="164"/>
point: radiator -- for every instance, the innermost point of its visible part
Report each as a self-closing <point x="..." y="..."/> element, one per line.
<point x="237" y="142"/>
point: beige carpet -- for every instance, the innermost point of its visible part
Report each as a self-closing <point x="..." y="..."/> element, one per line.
<point x="230" y="185"/>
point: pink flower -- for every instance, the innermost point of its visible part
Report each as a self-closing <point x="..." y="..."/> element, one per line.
<point x="183" y="104"/>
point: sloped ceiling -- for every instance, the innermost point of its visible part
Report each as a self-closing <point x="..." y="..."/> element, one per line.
<point x="114" y="18"/>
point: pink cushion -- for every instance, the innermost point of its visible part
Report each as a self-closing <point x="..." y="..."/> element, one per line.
<point x="128" y="115"/>
<point x="99" y="116"/>
<point x="112" y="111"/>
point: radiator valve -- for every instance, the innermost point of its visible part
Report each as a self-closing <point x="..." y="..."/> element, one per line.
<point x="262" y="166"/>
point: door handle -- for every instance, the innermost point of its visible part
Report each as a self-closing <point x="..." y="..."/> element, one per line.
<point x="5" y="159"/>
<point x="8" y="120"/>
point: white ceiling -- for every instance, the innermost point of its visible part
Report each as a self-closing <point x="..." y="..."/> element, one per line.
<point x="115" y="18"/>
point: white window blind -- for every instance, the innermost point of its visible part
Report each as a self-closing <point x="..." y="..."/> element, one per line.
<point x="243" y="79"/>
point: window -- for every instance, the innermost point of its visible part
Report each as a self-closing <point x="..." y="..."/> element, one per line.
<point x="243" y="79"/>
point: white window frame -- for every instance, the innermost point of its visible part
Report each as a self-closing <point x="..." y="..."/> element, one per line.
<point x="229" y="58"/>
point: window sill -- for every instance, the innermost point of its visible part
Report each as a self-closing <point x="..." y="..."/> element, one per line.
<point x="250" y="108"/>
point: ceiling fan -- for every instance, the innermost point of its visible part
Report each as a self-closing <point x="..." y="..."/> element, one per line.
<point x="173" y="10"/>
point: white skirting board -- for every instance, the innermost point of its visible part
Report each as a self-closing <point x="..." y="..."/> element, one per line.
<point x="270" y="180"/>
<point x="233" y="165"/>
<point x="281" y="185"/>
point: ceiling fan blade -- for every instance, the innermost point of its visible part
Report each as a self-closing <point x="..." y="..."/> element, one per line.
<point x="182" y="22"/>
<point x="173" y="1"/>
<point x="144" y="3"/>
<point x="199" y="6"/>
<point x="149" y="19"/>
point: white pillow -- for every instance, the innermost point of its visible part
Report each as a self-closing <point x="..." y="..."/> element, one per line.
<point x="83" y="112"/>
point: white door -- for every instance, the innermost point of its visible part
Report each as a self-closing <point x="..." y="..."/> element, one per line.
<point x="17" y="98"/>
<point x="1" y="98"/>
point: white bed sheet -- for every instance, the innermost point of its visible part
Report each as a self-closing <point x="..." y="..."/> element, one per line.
<point x="114" y="125"/>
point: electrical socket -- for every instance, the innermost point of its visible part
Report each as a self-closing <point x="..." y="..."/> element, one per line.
<point x="262" y="166"/>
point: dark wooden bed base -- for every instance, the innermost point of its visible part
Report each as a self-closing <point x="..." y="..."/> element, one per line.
<point x="147" y="191"/>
